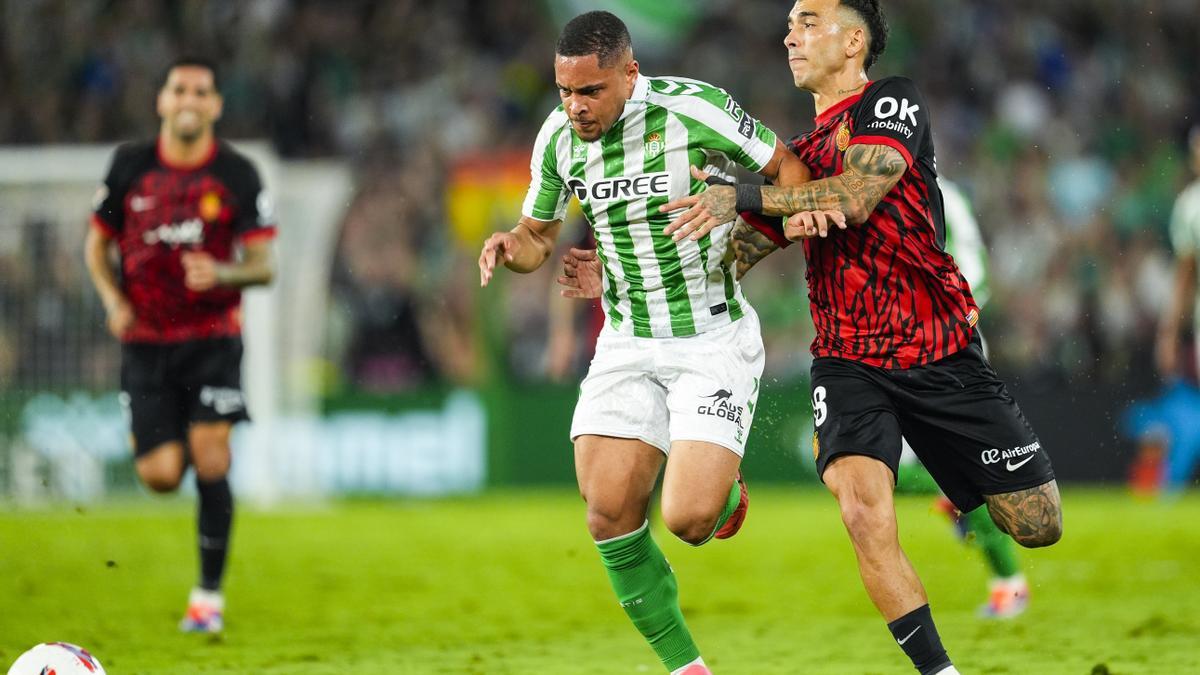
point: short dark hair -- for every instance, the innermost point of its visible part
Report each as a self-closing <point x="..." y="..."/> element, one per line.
<point x="600" y="33"/>
<point x="191" y="61"/>
<point x="877" y="28"/>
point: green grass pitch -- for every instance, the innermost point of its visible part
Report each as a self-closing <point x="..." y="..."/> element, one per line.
<point x="509" y="583"/>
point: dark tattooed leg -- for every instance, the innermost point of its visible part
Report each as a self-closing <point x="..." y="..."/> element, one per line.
<point x="1032" y="517"/>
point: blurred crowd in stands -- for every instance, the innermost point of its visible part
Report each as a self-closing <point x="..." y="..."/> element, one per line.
<point x="1064" y="121"/>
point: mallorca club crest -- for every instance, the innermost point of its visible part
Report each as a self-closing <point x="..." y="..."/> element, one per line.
<point x="654" y="145"/>
<point x="210" y="206"/>
<point x="843" y="137"/>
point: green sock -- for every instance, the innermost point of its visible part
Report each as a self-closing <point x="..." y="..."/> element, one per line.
<point x="997" y="547"/>
<point x="731" y="504"/>
<point x="645" y="586"/>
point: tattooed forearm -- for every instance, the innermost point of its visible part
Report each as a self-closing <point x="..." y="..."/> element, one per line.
<point x="1032" y="517"/>
<point x="868" y="172"/>
<point x="749" y="246"/>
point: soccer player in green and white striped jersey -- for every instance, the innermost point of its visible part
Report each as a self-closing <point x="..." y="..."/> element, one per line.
<point x="677" y="365"/>
<point x="1184" y="301"/>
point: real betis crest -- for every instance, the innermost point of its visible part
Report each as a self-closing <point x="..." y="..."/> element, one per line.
<point x="654" y="145"/>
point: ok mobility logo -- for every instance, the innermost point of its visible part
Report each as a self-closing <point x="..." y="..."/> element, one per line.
<point x="623" y="187"/>
<point x="1023" y="454"/>
<point x="902" y="110"/>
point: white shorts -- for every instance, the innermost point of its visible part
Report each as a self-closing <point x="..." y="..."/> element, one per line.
<point x="661" y="390"/>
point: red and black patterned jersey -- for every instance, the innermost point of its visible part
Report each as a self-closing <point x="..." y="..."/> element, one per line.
<point x="884" y="293"/>
<point x="156" y="211"/>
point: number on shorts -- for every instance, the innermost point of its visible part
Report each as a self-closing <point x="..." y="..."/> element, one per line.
<point x="820" y="410"/>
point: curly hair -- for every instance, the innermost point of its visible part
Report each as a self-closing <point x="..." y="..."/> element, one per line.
<point x="872" y="15"/>
<point x="599" y="33"/>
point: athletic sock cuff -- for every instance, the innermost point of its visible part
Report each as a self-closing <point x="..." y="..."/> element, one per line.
<point x="626" y="550"/>
<point x="917" y="635"/>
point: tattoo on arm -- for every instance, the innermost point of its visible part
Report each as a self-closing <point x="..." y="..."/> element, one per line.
<point x="1032" y="517"/>
<point x="749" y="246"/>
<point x="868" y="173"/>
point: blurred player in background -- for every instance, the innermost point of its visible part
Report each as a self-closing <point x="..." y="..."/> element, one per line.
<point x="192" y="226"/>
<point x="1008" y="590"/>
<point x="1174" y="416"/>
<point x="1181" y="309"/>
<point x="676" y="372"/>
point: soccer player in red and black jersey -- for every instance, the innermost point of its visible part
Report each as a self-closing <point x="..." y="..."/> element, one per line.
<point x="897" y="349"/>
<point x="192" y="227"/>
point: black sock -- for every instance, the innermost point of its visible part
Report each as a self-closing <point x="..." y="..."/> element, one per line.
<point x="918" y="637"/>
<point x="215" y="519"/>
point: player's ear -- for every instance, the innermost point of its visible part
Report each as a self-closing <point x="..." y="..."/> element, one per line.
<point x="856" y="41"/>
<point x="219" y="102"/>
<point x="631" y="71"/>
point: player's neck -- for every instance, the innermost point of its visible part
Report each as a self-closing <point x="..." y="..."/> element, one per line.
<point x="839" y="88"/>
<point x="183" y="154"/>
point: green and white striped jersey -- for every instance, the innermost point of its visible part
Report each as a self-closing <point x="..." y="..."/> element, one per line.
<point x="964" y="241"/>
<point x="1185" y="233"/>
<point x="653" y="287"/>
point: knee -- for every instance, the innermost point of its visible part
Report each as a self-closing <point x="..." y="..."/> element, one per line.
<point x="209" y="444"/>
<point x="692" y="526"/>
<point x="1047" y="534"/>
<point x="158" y="479"/>
<point x="211" y="466"/>
<point x="866" y="521"/>
<point x="609" y="520"/>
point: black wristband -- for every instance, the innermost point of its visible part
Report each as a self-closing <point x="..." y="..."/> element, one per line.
<point x="749" y="198"/>
<point x="717" y="180"/>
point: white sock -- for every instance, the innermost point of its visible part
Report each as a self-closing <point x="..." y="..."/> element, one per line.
<point x="948" y="670"/>
<point x="205" y="597"/>
<point x="698" y="662"/>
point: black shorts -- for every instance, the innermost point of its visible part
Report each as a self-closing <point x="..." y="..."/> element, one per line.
<point x="956" y="414"/>
<point x="167" y="387"/>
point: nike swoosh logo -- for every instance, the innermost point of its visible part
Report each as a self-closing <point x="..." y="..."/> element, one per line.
<point x="1013" y="467"/>
<point x="914" y="632"/>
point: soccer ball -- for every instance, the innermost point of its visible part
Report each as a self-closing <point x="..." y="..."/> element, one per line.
<point x="56" y="658"/>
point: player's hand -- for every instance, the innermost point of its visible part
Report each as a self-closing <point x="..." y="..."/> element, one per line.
<point x="581" y="274"/>
<point x="499" y="247"/>
<point x="809" y="224"/>
<point x="709" y="209"/>
<point x="200" y="271"/>
<point x="120" y="318"/>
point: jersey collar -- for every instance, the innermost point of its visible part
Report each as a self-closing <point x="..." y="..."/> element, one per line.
<point x="840" y="106"/>
<point x="641" y="91"/>
<point x="208" y="157"/>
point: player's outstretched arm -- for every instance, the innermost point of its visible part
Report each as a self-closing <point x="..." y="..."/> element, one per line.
<point x="698" y="220"/>
<point x="117" y="308"/>
<point x="868" y="173"/>
<point x="202" y="272"/>
<point x="522" y="249"/>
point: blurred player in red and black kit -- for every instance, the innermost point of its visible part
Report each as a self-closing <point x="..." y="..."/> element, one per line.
<point x="192" y="226"/>
<point x="897" y="350"/>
